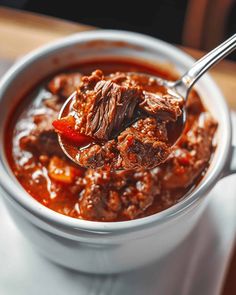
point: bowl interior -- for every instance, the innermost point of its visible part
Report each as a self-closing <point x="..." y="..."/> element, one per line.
<point x="104" y="44"/>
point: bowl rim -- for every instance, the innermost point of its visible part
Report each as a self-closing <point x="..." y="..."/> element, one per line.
<point x="20" y="196"/>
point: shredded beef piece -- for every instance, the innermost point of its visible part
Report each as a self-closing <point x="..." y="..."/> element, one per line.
<point x="114" y="107"/>
<point x="192" y="156"/>
<point x="64" y="84"/>
<point x="155" y="100"/>
<point x="165" y="107"/>
<point x="117" y="195"/>
<point x="108" y="107"/>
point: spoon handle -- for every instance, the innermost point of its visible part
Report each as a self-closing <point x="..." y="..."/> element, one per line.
<point x="207" y="61"/>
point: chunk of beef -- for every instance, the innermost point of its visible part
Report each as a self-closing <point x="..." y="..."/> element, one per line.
<point x="119" y="195"/>
<point x="192" y="156"/>
<point x="98" y="156"/>
<point x="64" y="85"/>
<point x="42" y="139"/>
<point x="108" y="107"/>
<point x="113" y="109"/>
<point x="144" y="144"/>
<point x="164" y="106"/>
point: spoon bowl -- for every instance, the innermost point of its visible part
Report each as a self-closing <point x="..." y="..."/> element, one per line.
<point x="174" y="129"/>
<point x="177" y="90"/>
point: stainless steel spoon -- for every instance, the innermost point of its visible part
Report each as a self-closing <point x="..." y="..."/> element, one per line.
<point x="179" y="88"/>
<point x="182" y="86"/>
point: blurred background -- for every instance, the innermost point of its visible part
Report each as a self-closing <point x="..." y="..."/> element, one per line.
<point x="200" y="24"/>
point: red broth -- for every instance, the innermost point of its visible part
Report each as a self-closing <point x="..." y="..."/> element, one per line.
<point x="100" y="194"/>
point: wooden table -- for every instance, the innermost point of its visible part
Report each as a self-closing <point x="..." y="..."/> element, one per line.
<point x="21" y="32"/>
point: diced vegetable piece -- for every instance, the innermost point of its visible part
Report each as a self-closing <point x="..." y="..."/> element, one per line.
<point x="60" y="171"/>
<point x="66" y="127"/>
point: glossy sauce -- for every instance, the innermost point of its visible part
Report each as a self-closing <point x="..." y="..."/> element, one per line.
<point x="32" y="168"/>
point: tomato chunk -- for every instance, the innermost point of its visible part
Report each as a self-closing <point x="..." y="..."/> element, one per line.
<point x="66" y="128"/>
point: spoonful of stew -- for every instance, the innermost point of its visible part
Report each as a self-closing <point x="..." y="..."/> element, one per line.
<point x="129" y="120"/>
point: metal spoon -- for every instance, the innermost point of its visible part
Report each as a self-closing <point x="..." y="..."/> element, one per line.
<point x="182" y="86"/>
<point x="179" y="88"/>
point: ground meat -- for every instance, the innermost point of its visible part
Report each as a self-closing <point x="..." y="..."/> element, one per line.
<point x="64" y="85"/>
<point x="117" y="195"/>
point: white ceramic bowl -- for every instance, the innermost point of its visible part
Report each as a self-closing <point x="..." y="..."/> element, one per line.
<point x="100" y="247"/>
